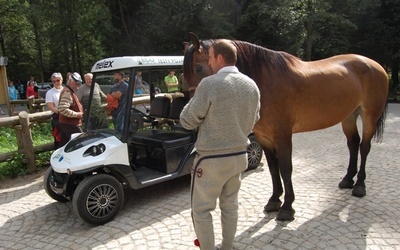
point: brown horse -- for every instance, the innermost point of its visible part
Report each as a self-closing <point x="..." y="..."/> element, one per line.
<point x="299" y="96"/>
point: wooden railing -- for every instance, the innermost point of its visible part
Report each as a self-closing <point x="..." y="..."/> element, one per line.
<point x="34" y="105"/>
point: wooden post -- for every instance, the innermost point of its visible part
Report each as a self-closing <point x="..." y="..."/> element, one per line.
<point x="20" y="137"/>
<point x="27" y="141"/>
<point x="31" y="101"/>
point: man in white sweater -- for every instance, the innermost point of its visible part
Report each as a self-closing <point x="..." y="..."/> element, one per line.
<point x="224" y="108"/>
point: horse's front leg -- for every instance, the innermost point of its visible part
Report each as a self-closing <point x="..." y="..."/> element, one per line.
<point x="274" y="203"/>
<point x="284" y="153"/>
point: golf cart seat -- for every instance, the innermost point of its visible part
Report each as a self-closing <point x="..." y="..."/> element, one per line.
<point x="161" y="139"/>
<point x="177" y="107"/>
<point x="162" y="149"/>
<point x="160" y="107"/>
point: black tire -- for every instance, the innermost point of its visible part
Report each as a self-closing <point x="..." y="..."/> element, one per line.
<point x="98" y="199"/>
<point x="46" y="181"/>
<point x="254" y="153"/>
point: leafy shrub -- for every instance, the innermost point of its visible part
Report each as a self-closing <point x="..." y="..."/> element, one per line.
<point x="16" y="165"/>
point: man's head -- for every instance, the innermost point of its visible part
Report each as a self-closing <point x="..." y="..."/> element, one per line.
<point x="75" y="80"/>
<point x="56" y="79"/>
<point x="88" y="78"/>
<point x="119" y="76"/>
<point x="222" y="53"/>
<point x="171" y="72"/>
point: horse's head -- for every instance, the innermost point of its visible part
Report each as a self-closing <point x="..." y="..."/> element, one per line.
<point x="195" y="63"/>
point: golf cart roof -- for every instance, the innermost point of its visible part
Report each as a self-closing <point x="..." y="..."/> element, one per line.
<point x="115" y="63"/>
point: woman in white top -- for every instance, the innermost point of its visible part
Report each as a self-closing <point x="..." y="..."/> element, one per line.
<point x="52" y="99"/>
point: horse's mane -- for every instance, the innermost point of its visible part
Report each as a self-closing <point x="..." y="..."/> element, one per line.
<point x="251" y="59"/>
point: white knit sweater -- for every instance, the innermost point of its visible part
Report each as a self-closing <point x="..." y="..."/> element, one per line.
<point x="225" y="108"/>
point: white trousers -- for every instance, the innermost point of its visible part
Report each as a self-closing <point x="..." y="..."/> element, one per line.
<point x="216" y="176"/>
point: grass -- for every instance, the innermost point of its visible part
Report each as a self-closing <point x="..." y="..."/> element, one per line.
<point x="15" y="166"/>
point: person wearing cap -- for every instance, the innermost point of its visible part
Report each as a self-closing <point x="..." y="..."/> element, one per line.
<point x="119" y="91"/>
<point x="52" y="99"/>
<point x="171" y="81"/>
<point x="70" y="110"/>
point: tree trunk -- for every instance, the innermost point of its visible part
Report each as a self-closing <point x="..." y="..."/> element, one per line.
<point x="3" y="46"/>
<point x="309" y="29"/>
<point x="395" y="74"/>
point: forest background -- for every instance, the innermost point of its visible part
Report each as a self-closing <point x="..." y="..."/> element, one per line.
<point x="44" y="36"/>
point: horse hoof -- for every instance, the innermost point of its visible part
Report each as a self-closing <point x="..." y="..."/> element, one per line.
<point x="359" y="191"/>
<point x="285" y="215"/>
<point x="272" y="206"/>
<point x="346" y="184"/>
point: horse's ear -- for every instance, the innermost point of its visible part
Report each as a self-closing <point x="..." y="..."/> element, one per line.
<point x="195" y="40"/>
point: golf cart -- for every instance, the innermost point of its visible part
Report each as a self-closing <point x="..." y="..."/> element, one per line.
<point x="95" y="166"/>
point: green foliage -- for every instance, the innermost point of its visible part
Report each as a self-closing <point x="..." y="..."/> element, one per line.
<point x="16" y="165"/>
<point x="13" y="167"/>
<point x="41" y="133"/>
<point x="41" y="37"/>
<point x="8" y="141"/>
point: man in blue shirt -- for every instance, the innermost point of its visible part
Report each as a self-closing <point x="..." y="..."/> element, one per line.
<point x="119" y="91"/>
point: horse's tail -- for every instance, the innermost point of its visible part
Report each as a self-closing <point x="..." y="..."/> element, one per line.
<point x="380" y="125"/>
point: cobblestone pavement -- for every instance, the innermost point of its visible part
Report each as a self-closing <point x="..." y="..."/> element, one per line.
<point x="159" y="217"/>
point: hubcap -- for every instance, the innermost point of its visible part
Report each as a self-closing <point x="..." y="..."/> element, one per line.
<point x="102" y="201"/>
<point x="254" y="153"/>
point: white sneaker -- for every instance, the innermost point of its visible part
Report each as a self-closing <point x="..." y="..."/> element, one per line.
<point x="2" y="113"/>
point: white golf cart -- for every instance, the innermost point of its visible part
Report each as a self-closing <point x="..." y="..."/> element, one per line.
<point x="94" y="167"/>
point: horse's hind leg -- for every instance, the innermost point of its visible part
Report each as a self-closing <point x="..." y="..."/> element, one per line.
<point x="350" y="130"/>
<point x="369" y="129"/>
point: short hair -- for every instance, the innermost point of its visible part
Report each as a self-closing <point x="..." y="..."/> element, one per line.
<point x="88" y="74"/>
<point x="56" y="75"/>
<point x="226" y="49"/>
<point x="121" y="73"/>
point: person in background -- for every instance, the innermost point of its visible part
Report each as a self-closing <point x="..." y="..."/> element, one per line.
<point x="30" y="90"/>
<point x="12" y="93"/>
<point x="52" y="100"/>
<point x="171" y="81"/>
<point x="118" y="93"/>
<point x="223" y="128"/>
<point x="32" y="80"/>
<point x="139" y="88"/>
<point x="21" y="89"/>
<point x="83" y="94"/>
<point x="70" y="110"/>
<point x="67" y="76"/>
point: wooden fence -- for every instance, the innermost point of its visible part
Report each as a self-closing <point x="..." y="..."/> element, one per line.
<point x="22" y="124"/>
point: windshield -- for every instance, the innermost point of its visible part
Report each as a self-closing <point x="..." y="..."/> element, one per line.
<point x="114" y="93"/>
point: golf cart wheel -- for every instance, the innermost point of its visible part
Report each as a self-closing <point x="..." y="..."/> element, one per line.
<point x="46" y="180"/>
<point x="98" y="199"/>
<point x="254" y="153"/>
